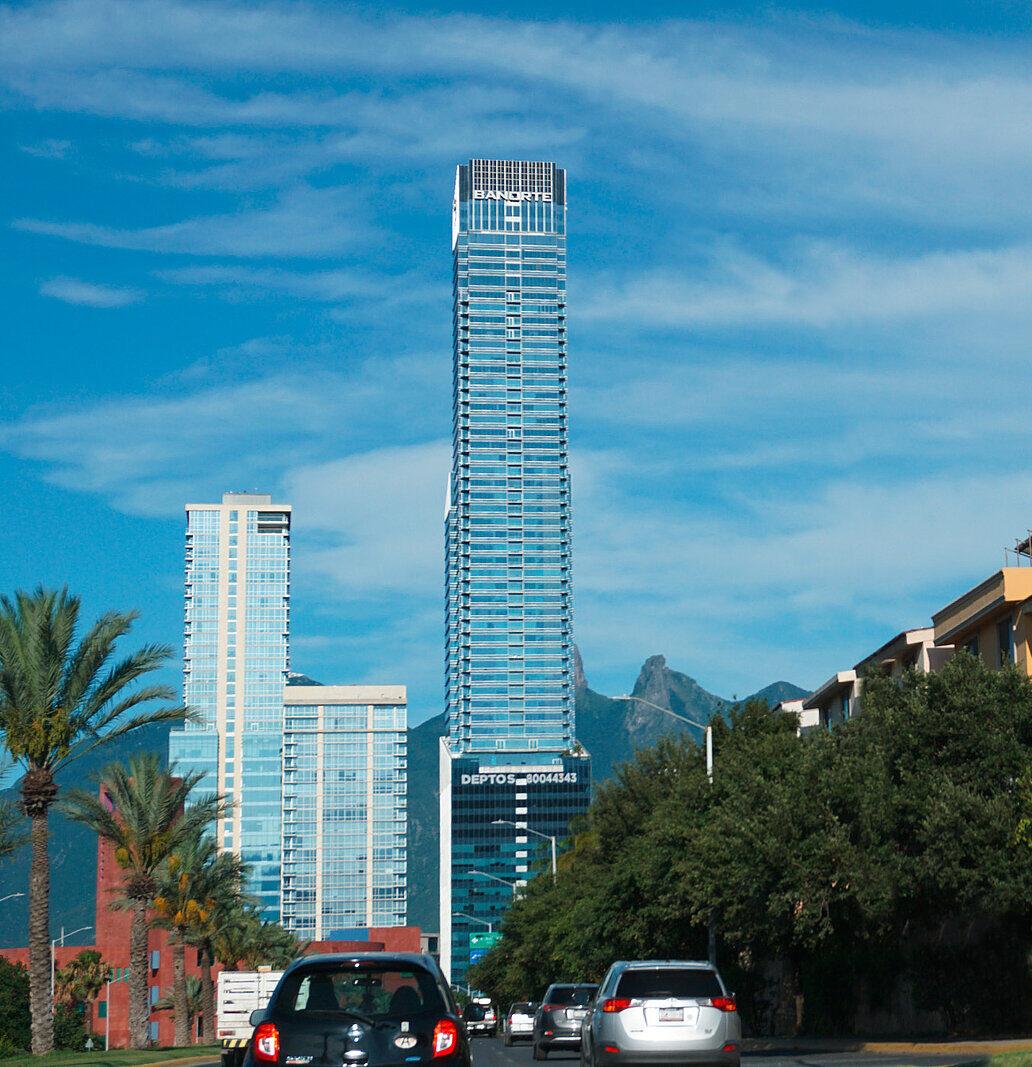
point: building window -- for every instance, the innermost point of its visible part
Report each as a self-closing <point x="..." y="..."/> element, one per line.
<point x="971" y="645"/>
<point x="1005" y="642"/>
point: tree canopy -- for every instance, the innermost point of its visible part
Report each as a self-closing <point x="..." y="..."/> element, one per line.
<point x="886" y="862"/>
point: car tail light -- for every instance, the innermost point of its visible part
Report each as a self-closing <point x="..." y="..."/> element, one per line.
<point x="724" y="1003"/>
<point x="615" y="1004"/>
<point x="266" y="1043"/>
<point x="446" y="1037"/>
<point x="730" y="1048"/>
<point x="550" y="1007"/>
<point x="610" y="1048"/>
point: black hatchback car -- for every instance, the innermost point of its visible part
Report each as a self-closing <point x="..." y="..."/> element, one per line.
<point x="369" y="1009"/>
<point x="557" y="1023"/>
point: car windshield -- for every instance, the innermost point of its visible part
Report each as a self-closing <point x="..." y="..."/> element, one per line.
<point x="571" y="994"/>
<point x="377" y="989"/>
<point x="688" y="983"/>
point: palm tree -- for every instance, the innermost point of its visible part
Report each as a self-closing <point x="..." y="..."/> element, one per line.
<point x="61" y="696"/>
<point x="143" y="812"/>
<point x="225" y="880"/>
<point x="194" y="882"/>
<point x="82" y="979"/>
<point x="189" y="1009"/>
<point x="247" y="937"/>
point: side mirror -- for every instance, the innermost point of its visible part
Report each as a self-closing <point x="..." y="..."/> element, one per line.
<point x="257" y="1017"/>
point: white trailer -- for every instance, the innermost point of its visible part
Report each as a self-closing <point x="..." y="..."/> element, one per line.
<point x="239" y="994"/>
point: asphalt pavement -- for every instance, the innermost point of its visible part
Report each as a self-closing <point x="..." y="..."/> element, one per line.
<point x="490" y="1052"/>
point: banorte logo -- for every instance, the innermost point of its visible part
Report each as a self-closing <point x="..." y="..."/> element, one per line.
<point x="510" y="195"/>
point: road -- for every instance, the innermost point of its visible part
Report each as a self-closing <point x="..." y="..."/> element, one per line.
<point x="490" y="1052"/>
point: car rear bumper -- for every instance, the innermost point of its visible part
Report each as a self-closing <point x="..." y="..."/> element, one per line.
<point x="696" y="1057"/>
<point x="561" y="1038"/>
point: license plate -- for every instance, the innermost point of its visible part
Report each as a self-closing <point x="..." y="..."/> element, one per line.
<point x="576" y="1014"/>
<point x="671" y="1015"/>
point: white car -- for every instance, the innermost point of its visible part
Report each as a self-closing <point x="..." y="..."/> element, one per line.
<point x="519" y="1022"/>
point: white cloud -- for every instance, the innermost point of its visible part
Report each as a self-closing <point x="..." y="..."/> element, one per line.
<point x="839" y="114"/>
<point x="375" y="292"/>
<point x="302" y="222"/>
<point x="89" y="294"/>
<point x="150" y="454"/>
<point x="821" y="285"/>
<point x="52" y="148"/>
<point x="383" y="513"/>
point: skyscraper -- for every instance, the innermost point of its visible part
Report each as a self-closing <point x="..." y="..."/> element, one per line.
<point x="344" y="809"/>
<point x="510" y="764"/>
<point x="237" y="654"/>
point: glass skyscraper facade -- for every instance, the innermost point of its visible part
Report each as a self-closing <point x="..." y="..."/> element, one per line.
<point x="344" y="810"/>
<point x="508" y="662"/>
<point x="236" y="659"/>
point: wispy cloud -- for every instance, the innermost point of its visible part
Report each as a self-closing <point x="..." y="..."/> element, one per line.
<point x="819" y="285"/>
<point x="52" y="148"/>
<point x="303" y="221"/>
<point x="89" y="294"/>
<point x="329" y="286"/>
<point x="149" y="454"/>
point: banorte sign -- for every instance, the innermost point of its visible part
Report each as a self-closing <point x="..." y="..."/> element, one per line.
<point x="510" y="195"/>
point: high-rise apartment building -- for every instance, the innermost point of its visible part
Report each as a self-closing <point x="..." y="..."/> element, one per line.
<point x="237" y="655"/>
<point x="511" y="769"/>
<point x="344" y="818"/>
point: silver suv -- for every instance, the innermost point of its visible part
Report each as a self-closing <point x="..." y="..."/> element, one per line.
<point x="661" y="1011"/>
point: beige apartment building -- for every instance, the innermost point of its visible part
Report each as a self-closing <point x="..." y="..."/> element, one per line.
<point x="991" y="621"/>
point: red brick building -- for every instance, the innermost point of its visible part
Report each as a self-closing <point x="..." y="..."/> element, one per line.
<point x="111" y="939"/>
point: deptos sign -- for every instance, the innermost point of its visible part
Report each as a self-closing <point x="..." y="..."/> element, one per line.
<point x="505" y="194"/>
<point x="533" y="778"/>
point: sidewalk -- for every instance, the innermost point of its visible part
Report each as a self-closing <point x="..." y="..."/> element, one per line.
<point x="987" y="1047"/>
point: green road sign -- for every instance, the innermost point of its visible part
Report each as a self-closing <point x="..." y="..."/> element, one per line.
<point x="484" y="940"/>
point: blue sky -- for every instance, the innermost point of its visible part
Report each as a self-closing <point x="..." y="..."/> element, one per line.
<point x="799" y="313"/>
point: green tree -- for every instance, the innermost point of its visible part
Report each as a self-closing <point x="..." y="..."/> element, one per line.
<point x="226" y="877"/>
<point x="81" y="980"/>
<point x="245" y="937"/>
<point x="194" y="888"/>
<point x="60" y="696"/>
<point x="147" y="812"/>
<point x="189" y="1004"/>
<point x="15" y="1024"/>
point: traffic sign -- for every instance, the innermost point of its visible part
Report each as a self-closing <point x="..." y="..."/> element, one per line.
<point x="477" y="954"/>
<point x="484" y="940"/>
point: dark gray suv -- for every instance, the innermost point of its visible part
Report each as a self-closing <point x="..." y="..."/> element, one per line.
<point x="662" y="1012"/>
<point x="557" y="1023"/>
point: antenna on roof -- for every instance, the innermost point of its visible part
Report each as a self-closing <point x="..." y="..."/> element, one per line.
<point x="1022" y="550"/>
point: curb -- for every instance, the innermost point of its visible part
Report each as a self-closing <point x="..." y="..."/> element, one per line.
<point x="933" y="1048"/>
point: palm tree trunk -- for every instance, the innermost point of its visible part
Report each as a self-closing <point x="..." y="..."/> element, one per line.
<point x="180" y="1008"/>
<point x="207" y="996"/>
<point x="139" y="1006"/>
<point x="41" y="1003"/>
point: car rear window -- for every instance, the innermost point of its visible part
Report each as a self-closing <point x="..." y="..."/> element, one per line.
<point x="377" y="989"/>
<point x="523" y="1008"/>
<point x="571" y="994"/>
<point x="670" y="982"/>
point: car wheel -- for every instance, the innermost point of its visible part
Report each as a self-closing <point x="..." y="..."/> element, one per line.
<point x="507" y="1039"/>
<point x="539" y="1052"/>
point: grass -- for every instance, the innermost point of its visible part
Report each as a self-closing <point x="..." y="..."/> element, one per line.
<point x="114" y="1058"/>
<point x="1010" y="1059"/>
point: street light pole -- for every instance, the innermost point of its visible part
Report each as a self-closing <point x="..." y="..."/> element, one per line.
<point x="53" y="955"/>
<point x="504" y="881"/>
<point x="473" y="918"/>
<point x="548" y="837"/>
<point x="708" y="728"/>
